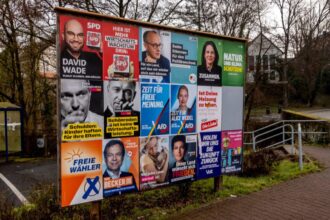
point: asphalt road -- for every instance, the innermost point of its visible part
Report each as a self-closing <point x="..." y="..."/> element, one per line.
<point x="320" y="113"/>
<point x="26" y="176"/>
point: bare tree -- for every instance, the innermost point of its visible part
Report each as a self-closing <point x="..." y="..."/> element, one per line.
<point x="26" y="32"/>
<point x="156" y="11"/>
<point x="259" y="74"/>
<point x="232" y="18"/>
<point x="311" y="45"/>
<point x="289" y="11"/>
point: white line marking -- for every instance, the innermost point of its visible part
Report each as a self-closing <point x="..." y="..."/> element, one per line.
<point x="14" y="189"/>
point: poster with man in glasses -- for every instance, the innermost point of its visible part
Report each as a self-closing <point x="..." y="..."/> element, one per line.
<point x="155" y="49"/>
<point x="81" y="56"/>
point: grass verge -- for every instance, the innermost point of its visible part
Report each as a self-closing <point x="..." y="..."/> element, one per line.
<point x="156" y="204"/>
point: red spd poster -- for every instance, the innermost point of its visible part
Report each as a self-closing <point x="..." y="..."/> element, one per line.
<point x="121" y="51"/>
<point x="81" y="48"/>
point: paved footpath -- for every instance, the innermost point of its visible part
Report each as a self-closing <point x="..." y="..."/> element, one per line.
<point x="307" y="197"/>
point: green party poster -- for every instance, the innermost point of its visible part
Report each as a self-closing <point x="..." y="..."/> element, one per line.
<point x="209" y="61"/>
<point x="233" y="63"/>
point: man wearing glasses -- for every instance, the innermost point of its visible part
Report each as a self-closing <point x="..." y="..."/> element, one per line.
<point x="152" y="55"/>
<point x="76" y="63"/>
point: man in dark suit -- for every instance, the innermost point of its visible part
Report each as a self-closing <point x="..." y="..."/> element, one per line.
<point x="114" y="153"/>
<point x="119" y="98"/>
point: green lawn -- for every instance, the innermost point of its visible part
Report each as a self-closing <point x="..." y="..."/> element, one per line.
<point x="155" y="204"/>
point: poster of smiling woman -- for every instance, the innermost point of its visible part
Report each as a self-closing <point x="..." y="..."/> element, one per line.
<point x="183" y="109"/>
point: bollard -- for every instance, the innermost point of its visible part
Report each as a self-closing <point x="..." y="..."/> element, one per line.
<point x="301" y="166"/>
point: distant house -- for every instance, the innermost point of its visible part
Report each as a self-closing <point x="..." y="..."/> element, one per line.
<point x="47" y="63"/>
<point x="269" y="54"/>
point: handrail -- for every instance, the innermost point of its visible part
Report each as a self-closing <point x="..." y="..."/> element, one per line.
<point x="282" y="128"/>
<point x="254" y="133"/>
<point x="284" y="121"/>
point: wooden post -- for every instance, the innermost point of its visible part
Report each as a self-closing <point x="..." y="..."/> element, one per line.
<point x="95" y="211"/>
<point x="218" y="181"/>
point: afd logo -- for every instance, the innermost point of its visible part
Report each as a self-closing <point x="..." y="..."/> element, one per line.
<point x="92" y="187"/>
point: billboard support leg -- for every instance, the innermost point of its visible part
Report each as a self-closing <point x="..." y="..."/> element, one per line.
<point x="95" y="210"/>
<point x="217" y="183"/>
<point x="6" y="136"/>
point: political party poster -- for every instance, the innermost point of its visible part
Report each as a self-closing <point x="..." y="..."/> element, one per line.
<point x="182" y="157"/>
<point x="233" y="63"/>
<point x="232" y="151"/>
<point x="155" y="51"/>
<point x="184" y="59"/>
<point x="80" y="109"/>
<point x="120" y="166"/>
<point x="209" y="108"/>
<point x="154" y="109"/>
<point x="183" y="109"/>
<point x="121" y="108"/>
<point x="81" y="172"/>
<point x="209" y="155"/>
<point x="154" y="157"/>
<point x="120" y="51"/>
<point x="209" y="69"/>
<point x="80" y="44"/>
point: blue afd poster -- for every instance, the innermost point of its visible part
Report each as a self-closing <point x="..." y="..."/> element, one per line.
<point x="183" y="59"/>
<point x="183" y="109"/>
<point x="209" y="155"/>
<point x="154" y="109"/>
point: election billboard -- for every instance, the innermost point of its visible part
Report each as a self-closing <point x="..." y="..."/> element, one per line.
<point x="143" y="106"/>
<point x="182" y="158"/>
<point x="120" y="166"/>
<point x="120" y="51"/>
<point x="154" y="161"/>
<point x="231" y="151"/>
<point x="209" y="155"/>
<point x="155" y="100"/>
<point x="183" y="108"/>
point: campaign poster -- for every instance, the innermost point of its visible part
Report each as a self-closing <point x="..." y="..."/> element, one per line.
<point x="182" y="157"/>
<point x="232" y="151"/>
<point x="209" y="155"/>
<point x="183" y="109"/>
<point x="120" y="166"/>
<point x="81" y="109"/>
<point x="120" y="51"/>
<point x="209" y="61"/>
<point x="155" y="54"/>
<point x="81" y="172"/>
<point x="81" y="48"/>
<point x="233" y="63"/>
<point x="154" y="162"/>
<point x="154" y="109"/>
<point x="121" y="108"/>
<point x="183" y="59"/>
<point x="209" y="108"/>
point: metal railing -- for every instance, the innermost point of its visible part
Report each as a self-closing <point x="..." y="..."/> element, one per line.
<point x="281" y="132"/>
